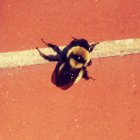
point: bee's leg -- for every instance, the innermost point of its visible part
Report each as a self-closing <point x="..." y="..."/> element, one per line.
<point x="49" y="57"/>
<point x="54" y="47"/>
<point x="85" y="74"/>
<point x="92" y="46"/>
<point x="89" y="63"/>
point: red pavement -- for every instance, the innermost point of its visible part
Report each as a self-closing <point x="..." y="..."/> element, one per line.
<point x="31" y="108"/>
<point x="108" y="108"/>
<point x="23" y="23"/>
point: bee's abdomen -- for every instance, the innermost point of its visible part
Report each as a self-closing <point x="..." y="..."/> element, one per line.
<point x="66" y="75"/>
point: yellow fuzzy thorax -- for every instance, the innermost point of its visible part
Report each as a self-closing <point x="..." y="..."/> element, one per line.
<point x="79" y="51"/>
<point x="75" y="64"/>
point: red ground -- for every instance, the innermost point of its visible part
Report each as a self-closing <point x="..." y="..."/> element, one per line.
<point x="24" y="22"/>
<point x="31" y="108"/>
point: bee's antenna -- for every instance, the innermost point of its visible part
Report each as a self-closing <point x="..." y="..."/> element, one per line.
<point x="44" y="42"/>
<point x="92" y="46"/>
<point x="74" y="38"/>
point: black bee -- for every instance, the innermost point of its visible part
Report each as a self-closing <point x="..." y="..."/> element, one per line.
<point x="72" y="62"/>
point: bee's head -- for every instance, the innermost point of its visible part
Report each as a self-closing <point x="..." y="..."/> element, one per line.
<point x="78" y="57"/>
<point x="80" y="42"/>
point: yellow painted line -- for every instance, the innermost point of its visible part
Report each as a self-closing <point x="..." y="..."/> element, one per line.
<point x="103" y="49"/>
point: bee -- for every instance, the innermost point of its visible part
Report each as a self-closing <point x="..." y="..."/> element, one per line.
<point x="72" y="62"/>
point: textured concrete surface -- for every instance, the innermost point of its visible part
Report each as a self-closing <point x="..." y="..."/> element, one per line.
<point x="31" y="108"/>
<point x="108" y="108"/>
<point x="23" y="23"/>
